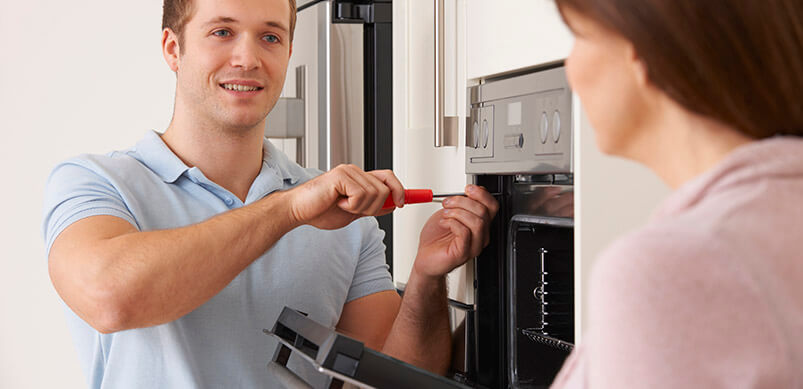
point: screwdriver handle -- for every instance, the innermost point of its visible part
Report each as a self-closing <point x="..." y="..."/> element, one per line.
<point x="411" y="196"/>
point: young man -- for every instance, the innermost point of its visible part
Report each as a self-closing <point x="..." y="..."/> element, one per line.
<point x="173" y="255"/>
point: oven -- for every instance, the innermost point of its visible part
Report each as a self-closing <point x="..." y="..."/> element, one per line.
<point x="522" y="323"/>
<point x="519" y="144"/>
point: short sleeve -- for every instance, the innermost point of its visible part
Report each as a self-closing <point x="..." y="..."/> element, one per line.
<point x="74" y="191"/>
<point x="372" y="274"/>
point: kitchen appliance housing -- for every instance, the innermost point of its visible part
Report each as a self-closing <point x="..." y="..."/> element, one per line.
<point x="337" y="103"/>
<point x="519" y="143"/>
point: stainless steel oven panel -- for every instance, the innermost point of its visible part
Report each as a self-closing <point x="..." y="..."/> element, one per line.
<point x="530" y="130"/>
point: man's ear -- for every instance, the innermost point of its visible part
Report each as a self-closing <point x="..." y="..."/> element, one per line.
<point x="170" y="48"/>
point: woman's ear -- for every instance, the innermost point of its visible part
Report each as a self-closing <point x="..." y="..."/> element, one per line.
<point x="638" y="66"/>
<point x="170" y="49"/>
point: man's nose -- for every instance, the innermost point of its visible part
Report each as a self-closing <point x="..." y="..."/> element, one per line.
<point x="245" y="54"/>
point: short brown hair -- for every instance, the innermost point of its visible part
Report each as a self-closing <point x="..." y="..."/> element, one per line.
<point x="176" y="14"/>
<point x="736" y="61"/>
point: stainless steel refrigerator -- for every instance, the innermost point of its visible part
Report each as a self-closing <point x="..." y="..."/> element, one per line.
<point x="337" y="102"/>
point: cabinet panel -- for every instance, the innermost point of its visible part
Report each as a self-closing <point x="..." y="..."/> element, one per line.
<point x="420" y="65"/>
<point x="416" y="161"/>
<point x="512" y="34"/>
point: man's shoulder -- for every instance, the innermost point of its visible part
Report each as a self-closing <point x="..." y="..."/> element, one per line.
<point x="112" y="164"/>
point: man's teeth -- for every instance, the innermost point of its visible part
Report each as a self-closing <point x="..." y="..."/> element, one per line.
<point x="240" y="88"/>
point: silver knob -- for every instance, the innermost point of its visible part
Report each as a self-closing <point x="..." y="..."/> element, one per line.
<point x="556" y="126"/>
<point x="544" y="127"/>
<point x="476" y="135"/>
<point x="485" y="134"/>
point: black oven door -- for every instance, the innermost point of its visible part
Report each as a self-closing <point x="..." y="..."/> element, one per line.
<point x="346" y="360"/>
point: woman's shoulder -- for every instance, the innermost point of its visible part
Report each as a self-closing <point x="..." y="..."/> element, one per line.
<point x="670" y="262"/>
<point x="670" y="304"/>
<point x="664" y="244"/>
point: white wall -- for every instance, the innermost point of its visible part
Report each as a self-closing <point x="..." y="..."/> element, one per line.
<point x="75" y="77"/>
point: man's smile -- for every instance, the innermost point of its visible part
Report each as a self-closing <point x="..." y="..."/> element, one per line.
<point x="241" y="86"/>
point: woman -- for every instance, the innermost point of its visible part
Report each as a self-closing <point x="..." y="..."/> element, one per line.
<point x="709" y="95"/>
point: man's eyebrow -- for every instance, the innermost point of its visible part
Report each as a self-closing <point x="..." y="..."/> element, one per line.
<point x="221" y="19"/>
<point x="226" y="19"/>
<point x="277" y="25"/>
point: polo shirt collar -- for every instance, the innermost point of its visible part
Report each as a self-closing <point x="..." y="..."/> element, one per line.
<point x="162" y="161"/>
<point x="280" y="163"/>
<point x="159" y="158"/>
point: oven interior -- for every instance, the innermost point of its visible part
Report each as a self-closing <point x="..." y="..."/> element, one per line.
<point x="540" y="298"/>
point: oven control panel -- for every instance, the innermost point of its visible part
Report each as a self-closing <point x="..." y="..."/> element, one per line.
<point x="520" y="124"/>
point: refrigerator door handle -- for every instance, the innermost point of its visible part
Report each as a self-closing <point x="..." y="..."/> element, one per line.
<point x="445" y="126"/>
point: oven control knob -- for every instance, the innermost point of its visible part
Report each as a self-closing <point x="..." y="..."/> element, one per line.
<point x="556" y="126"/>
<point x="475" y="135"/>
<point x="485" y="134"/>
<point x="544" y="127"/>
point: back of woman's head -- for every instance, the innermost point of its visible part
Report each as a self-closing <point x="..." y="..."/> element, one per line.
<point x="737" y="61"/>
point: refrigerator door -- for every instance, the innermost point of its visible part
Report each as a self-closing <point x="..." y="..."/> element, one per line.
<point x="325" y="78"/>
<point x="346" y="144"/>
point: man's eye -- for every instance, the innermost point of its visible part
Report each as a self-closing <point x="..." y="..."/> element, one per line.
<point x="271" y="38"/>
<point x="221" y="33"/>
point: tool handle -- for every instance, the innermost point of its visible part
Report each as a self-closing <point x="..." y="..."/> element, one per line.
<point x="411" y="196"/>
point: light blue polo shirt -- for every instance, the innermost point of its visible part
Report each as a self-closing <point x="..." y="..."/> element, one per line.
<point x="220" y="344"/>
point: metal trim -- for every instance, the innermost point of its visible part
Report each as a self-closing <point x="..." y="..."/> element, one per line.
<point x="325" y="90"/>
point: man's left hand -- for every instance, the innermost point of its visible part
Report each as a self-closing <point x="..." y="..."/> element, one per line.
<point x="456" y="233"/>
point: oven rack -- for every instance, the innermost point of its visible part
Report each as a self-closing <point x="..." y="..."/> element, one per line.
<point x="536" y="336"/>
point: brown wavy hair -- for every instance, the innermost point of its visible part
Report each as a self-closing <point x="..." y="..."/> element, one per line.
<point x="176" y="14"/>
<point x="737" y="61"/>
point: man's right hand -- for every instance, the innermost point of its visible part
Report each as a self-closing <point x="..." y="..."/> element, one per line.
<point x="342" y="195"/>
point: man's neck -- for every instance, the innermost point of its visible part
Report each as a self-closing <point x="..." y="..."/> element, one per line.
<point x="232" y="158"/>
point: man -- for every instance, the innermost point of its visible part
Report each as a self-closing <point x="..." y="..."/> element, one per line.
<point x="173" y="255"/>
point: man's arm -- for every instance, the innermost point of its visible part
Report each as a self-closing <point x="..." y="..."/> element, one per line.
<point x="116" y="278"/>
<point x="421" y="335"/>
<point x="416" y="329"/>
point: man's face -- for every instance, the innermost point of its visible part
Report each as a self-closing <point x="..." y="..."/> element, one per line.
<point x="232" y="66"/>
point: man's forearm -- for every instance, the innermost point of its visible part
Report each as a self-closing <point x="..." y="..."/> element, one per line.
<point x="421" y="334"/>
<point x="158" y="276"/>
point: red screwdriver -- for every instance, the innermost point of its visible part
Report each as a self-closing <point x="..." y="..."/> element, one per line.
<point x="418" y="196"/>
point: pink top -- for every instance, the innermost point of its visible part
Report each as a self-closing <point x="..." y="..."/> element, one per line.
<point x="710" y="293"/>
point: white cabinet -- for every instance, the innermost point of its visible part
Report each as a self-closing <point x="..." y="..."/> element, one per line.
<point x="417" y="162"/>
<point x="508" y="35"/>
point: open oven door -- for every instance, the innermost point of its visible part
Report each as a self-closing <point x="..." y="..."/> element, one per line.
<point x="344" y="359"/>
